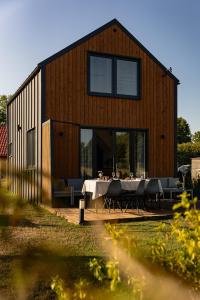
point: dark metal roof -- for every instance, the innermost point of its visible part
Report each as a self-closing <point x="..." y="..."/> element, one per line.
<point x="33" y="73"/>
<point x="84" y="39"/>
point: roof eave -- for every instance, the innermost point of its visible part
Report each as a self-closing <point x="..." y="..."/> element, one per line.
<point x="27" y="80"/>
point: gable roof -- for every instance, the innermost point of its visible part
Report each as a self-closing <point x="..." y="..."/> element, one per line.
<point x="3" y="141"/>
<point x="100" y="29"/>
<point x="84" y="39"/>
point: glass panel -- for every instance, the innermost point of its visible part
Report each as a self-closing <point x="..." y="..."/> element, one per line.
<point x="10" y="149"/>
<point x="104" y="151"/>
<point x="139" y="155"/>
<point x="86" y="153"/>
<point x="122" y="154"/>
<point x="100" y="74"/>
<point x="127" y="77"/>
<point x="31" y="148"/>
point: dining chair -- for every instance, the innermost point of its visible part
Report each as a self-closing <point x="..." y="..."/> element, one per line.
<point x="76" y="187"/>
<point x="136" y="197"/>
<point x="113" y="195"/>
<point x="153" y="192"/>
<point x="62" y="191"/>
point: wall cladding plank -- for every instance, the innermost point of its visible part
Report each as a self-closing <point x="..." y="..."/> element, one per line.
<point x="46" y="163"/>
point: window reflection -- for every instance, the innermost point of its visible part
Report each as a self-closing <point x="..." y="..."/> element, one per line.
<point x="139" y="147"/>
<point x="127" y="77"/>
<point x="122" y="153"/>
<point x="86" y="153"/>
<point x="104" y="151"/>
<point x="100" y="74"/>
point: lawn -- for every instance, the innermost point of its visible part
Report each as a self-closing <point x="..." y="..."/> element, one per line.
<point x="40" y="245"/>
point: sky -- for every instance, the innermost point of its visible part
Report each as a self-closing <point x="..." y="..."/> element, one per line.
<point x="32" y="30"/>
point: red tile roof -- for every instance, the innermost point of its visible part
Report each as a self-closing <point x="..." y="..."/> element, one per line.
<point x="3" y="141"/>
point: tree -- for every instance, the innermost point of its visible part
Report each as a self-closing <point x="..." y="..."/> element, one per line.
<point x="196" y="137"/>
<point x="3" y="100"/>
<point x="183" y="131"/>
<point x="186" y="151"/>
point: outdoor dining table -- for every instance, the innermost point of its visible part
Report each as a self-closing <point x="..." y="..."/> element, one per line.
<point x="98" y="187"/>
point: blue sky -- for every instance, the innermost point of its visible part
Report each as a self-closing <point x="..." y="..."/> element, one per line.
<point x="32" y="30"/>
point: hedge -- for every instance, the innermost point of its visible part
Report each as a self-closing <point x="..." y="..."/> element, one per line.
<point x="186" y="151"/>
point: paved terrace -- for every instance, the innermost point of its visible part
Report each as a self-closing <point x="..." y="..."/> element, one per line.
<point x="115" y="216"/>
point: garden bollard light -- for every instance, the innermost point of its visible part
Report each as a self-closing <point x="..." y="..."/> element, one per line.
<point x="81" y="210"/>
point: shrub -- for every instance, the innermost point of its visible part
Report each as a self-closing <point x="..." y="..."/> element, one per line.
<point x="184" y="234"/>
<point x="186" y="151"/>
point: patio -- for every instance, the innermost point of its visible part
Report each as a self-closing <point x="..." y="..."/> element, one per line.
<point x="91" y="216"/>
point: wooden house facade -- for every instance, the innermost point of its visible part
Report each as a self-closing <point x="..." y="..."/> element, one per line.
<point x="103" y="103"/>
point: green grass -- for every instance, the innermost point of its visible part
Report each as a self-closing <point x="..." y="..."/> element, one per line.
<point x="40" y="245"/>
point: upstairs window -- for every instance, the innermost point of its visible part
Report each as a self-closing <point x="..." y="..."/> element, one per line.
<point x="127" y="77"/>
<point x="31" y="148"/>
<point x="100" y="74"/>
<point x="114" y="76"/>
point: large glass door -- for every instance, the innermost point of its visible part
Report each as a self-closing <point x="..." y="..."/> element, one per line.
<point x="109" y="150"/>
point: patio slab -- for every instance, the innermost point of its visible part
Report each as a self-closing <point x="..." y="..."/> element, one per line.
<point x="115" y="216"/>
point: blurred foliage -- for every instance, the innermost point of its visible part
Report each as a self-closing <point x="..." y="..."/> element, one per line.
<point x="122" y="278"/>
<point x="186" y="151"/>
<point x="196" y="188"/>
<point x="184" y="232"/>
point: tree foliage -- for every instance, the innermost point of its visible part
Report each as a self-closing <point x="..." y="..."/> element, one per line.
<point x="196" y="137"/>
<point x="183" y="131"/>
<point x="186" y="151"/>
<point x="185" y="234"/>
<point x="3" y="101"/>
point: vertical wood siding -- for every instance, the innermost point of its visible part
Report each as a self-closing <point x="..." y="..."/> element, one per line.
<point x="24" y="113"/>
<point x="46" y="163"/>
<point x="67" y="101"/>
<point x="65" y="150"/>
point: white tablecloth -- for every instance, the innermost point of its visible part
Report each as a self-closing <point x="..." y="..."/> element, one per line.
<point x="99" y="188"/>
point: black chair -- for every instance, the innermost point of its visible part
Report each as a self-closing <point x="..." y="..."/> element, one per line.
<point x="76" y="187"/>
<point x="137" y="197"/>
<point x="113" y="195"/>
<point x="61" y="192"/>
<point x="153" y="192"/>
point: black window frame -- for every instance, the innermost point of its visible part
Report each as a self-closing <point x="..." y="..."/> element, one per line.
<point x="114" y="59"/>
<point x="30" y="154"/>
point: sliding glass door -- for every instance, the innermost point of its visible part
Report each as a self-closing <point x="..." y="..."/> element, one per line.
<point x="109" y="150"/>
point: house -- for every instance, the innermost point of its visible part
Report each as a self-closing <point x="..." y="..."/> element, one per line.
<point x="103" y="103"/>
<point x="3" y="150"/>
